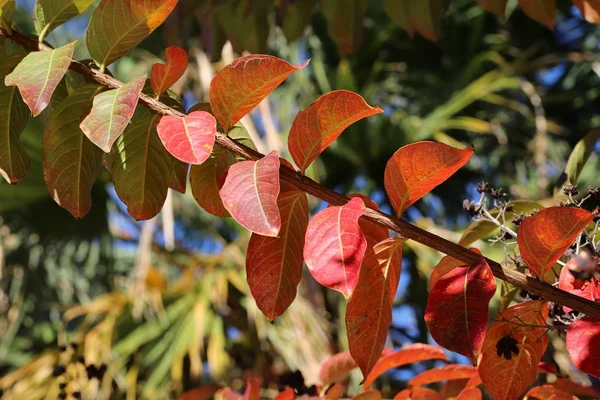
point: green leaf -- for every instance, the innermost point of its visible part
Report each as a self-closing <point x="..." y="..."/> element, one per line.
<point x="14" y="161"/>
<point x="345" y="22"/>
<point x="118" y="26"/>
<point x="71" y="162"/>
<point x="38" y="75"/>
<point x="179" y="174"/>
<point x="141" y="167"/>
<point x="111" y="112"/>
<point x="580" y="154"/>
<point x="48" y="14"/>
<point x="297" y="16"/>
<point x="245" y="23"/>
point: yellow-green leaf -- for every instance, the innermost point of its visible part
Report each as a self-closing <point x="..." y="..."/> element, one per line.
<point x="118" y="26"/>
<point x="39" y="73"/>
<point x="48" y="14"/>
<point x="71" y="162"/>
<point x="580" y="154"/>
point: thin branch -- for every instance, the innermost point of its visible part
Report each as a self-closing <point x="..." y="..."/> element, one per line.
<point x="313" y="188"/>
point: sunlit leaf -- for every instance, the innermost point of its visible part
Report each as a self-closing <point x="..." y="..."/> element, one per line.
<point x="205" y="181"/>
<point x="545" y="236"/>
<point x="71" y="162"/>
<point x="415" y="169"/>
<point x="413" y="353"/>
<point x="547" y="392"/>
<point x="446" y="264"/>
<point x="250" y="194"/>
<point x="374" y="233"/>
<point x="315" y="128"/>
<point x="107" y="40"/>
<point x="497" y="7"/>
<point x="335" y="392"/>
<point x="588" y="289"/>
<point x="512" y="349"/>
<point x="368" y="395"/>
<point x="581" y="153"/>
<point x="14" y="161"/>
<point x="141" y="167"/>
<point x="274" y="264"/>
<point x="543" y="11"/>
<point x="190" y="139"/>
<point x="569" y="386"/>
<point x="457" y="308"/>
<point x="38" y="75"/>
<point x="590" y="9"/>
<point x="48" y="14"/>
<point x="287" y="394"/>
<point x="164" y="76"/>
<point x="583" y="342"/>
<point x="418" y="394"/>
<point x="242" y="85"/>
<point x="469" y="394"/>
<point x="335" y="246"/>
<point x="252" y="391"/>
<point x="111" y="112"/>
<point x="445" y="373"/>
<point x="336" y="368"/>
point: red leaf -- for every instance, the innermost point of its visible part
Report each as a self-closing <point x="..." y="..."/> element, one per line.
<point x="419" y="394"/>
<point x="111" y="112"/>
<point x="415" y="169"/>
<point x="368" y="395"/>
<point x="250" y="194"/>
<point x="164" y="76"/>
<point x="287" y="394"/>
<point x="190" y="139"/>
<point x="583" y="342"/>
<point x="179" y="174"/>
<point x="543" y="11"/>
<point x="315" y="128"/>
<point x="446" y="265"/>
<point x="575" y="388"/>
<point x="38" y="75"/>
<point x="506" y="376"/>
<point x="374" y="233"/>
<point x="445" y="373"/>
<point x="545" y="236"/>
<point x="369" y="314"/>
<point x="205" y="181"/>
<point x="335" y="392"/>
<point x="242" y="85"/>
<point x="589" y="289"/>
<point x="469" y="394"/>
<point x="335" y="246"/>
<point x="336" y="368"/>
<point x="252" y="389"/>
<point x="547" y="368"/>
<point x="590" y="9"/>
<point x="546" y="392"/>
<point x="274" y="264"/>
<point x="413" y="353"/>
<point x="457" y="308"/>
<point x="204" y="392"/>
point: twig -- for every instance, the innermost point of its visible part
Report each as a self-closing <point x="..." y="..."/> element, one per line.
<point x="313" y="188"/>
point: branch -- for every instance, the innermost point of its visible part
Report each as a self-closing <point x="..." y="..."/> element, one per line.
<point x="313" y="188"/>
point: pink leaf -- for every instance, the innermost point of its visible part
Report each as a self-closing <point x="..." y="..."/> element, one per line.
<point x="190" y="139"/>
<point x="250" y="194"/>
<point x="335" y="246"/>
<point x="164" y="76"/>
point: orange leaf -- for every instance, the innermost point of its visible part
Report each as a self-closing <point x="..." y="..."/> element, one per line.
<point x="205" y="181"/>
<point x="583" y="342"/>
<point x="415" y="169"/>
<point x="413" y="353"/>
<point x="335" y="246"/>
<point x="543" y="11"/>
<point x="419" y="394"/>
<point x="38" y="75"/>
<point x="111" y="112"/>
<point x="252" y="389"/>
<point x="511" y="352"/>
<point x="546" y="392"/>
<point x="369" y="314"/>
<point x="469" y="394"/>
<point x="374" y="233"/>
<point x="335" y="392"/>
<point x="190" y="139"/>
<point x="545" y="236"/>
<point x="242" y="85"/>
<point x="315" y="128"/>
<point x="287" y="394"/>
<point x="457" y="308"/>
<point x="336" y="368"/>
<point x="590" y="9"/>
<point x="446" y="264"/>
<point x="389" y="258"/>
<point x="368" y="395"/>
<point x="163" y="76"/>
<point x="575" y="388"/>
<point x="497" y="7"/>
<point x="274" y="264"/>
<point x="250" y="194"/>
<point x="445" y="373"/>
<point x="474" y="381"/>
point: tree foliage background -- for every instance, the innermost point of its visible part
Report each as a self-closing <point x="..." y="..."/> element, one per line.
<point x="165" y="303"/>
